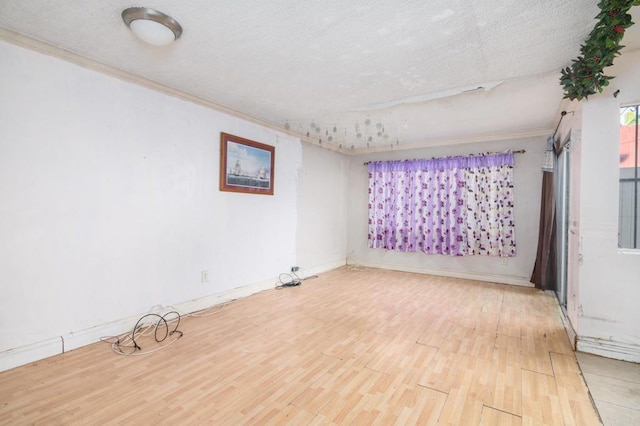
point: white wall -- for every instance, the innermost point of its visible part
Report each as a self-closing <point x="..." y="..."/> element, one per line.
<point x="571" y="127"/>
<point x="609" y="278"/>
<point x="109" y="206"/>
<point x="322" y="209"/>
<point x="516" y="270"/>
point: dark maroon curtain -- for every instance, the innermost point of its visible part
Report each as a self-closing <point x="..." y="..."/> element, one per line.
<point x="544" y="272"/>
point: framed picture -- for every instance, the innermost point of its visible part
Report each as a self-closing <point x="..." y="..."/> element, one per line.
<point x="246" y="165"/>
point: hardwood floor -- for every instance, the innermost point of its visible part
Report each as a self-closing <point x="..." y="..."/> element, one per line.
<point x="359" y="346"/>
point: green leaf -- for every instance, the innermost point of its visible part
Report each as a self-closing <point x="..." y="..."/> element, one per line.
<point x="585" y="75"/>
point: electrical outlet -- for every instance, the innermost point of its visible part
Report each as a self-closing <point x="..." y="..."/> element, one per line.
<point x="295" y="269"/>
<point x="504" y="261"/>
<point x="204" y="276"/>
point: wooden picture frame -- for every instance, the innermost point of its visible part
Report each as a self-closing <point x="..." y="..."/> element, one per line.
<point x="246" y="165"/>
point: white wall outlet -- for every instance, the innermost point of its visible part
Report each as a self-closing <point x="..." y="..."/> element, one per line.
<point x="204" y="276"/>
<point x="504" y="261"/>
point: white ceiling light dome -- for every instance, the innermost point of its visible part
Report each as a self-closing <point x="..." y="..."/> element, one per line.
<point x="151" y="26"/>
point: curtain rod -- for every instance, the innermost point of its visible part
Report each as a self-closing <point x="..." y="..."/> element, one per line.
<point x="517" y="151"/>
<point x="562" y="114"/>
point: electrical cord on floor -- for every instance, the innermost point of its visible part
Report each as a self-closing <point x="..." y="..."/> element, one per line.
<point x="288" y="280"/>
<point x="291" y="280"/>
<point x="127" y="343"/>
<point x="164" y="330"/>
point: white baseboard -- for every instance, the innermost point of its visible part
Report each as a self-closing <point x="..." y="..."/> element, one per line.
<point x="224" y="297"/>
<point x="29" y="353"/>
<point x="56" y="345"/>
<point x="562" y="312"/>
<point x="33" y="352"/>
<point x="609" y="349"/>
<point x="571" y="333"/>
<point x="308" y="272"/>
<point x="500" y="279"/>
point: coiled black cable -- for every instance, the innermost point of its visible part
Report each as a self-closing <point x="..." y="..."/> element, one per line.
<point x="161" y="319"/>
<point x="127" y="344"/>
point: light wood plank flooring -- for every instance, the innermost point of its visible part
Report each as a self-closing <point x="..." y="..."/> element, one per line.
<point x="361" y="346"/>
<point x="615" y="387"/>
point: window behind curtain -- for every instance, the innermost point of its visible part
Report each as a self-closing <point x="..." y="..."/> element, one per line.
<point x="629" y="211"/>
<point x="457" y="206"/>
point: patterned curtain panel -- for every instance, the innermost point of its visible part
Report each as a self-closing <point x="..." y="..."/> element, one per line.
<point x="456" y="205"/>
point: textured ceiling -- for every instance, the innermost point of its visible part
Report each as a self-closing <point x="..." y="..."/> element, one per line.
<point x="357" y="74"/>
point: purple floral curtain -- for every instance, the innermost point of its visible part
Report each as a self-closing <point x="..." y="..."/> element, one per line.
<point x="455" y="205"/>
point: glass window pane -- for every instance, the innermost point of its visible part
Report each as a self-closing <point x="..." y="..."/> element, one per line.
<point x="629" y="212"/>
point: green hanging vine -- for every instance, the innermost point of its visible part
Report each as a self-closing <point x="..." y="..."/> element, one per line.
<point x="586" y="76"/>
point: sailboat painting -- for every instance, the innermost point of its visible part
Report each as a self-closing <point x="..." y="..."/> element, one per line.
<point x="246" y="165"/>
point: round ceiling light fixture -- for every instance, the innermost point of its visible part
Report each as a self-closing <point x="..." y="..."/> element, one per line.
<point x="151" y="26"/>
